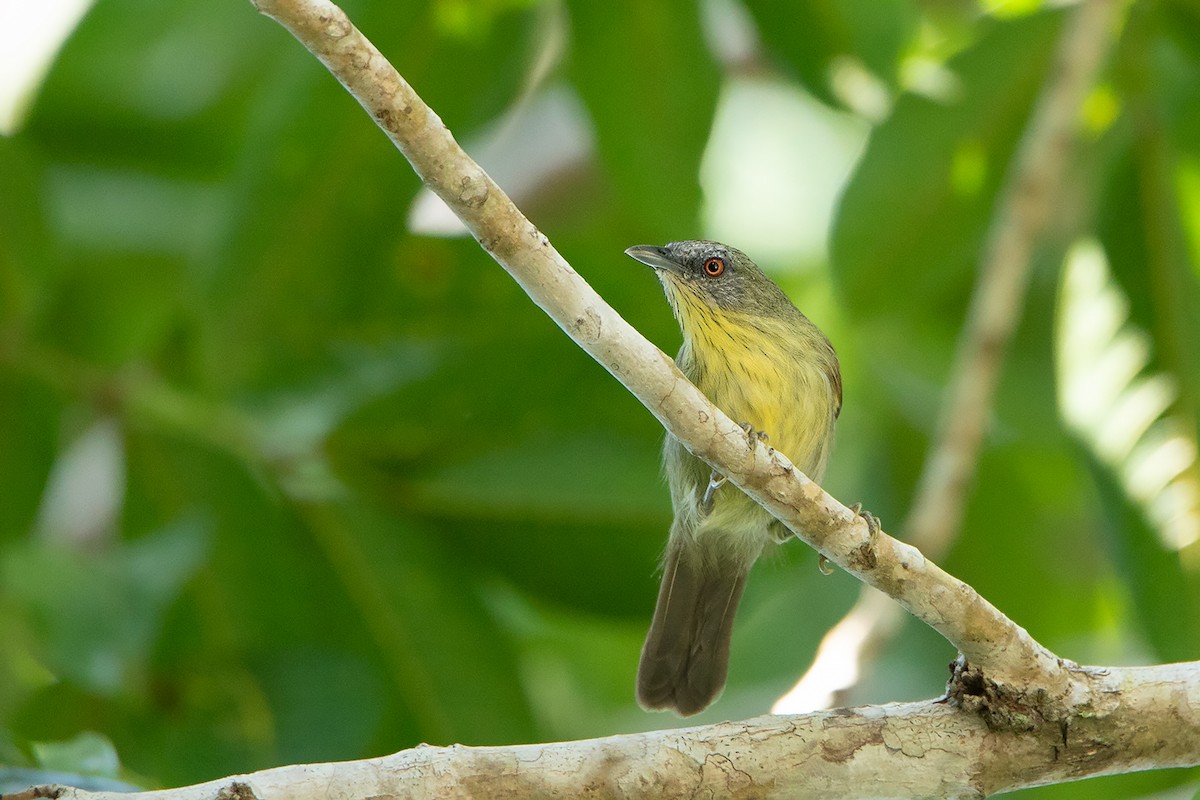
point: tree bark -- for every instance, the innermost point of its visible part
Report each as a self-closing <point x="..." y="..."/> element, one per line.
<point x="1126" y="719"/>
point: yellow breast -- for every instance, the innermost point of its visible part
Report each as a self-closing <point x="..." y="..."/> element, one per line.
<point x="769" y="372"/>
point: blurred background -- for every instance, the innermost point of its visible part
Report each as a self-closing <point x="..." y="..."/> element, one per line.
<point x="291" y="471"/>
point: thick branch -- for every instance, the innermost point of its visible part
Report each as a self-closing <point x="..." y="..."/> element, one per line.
<point x="1133" y="719"/>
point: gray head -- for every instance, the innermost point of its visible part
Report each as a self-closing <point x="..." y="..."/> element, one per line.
<point x="723" y="277"/>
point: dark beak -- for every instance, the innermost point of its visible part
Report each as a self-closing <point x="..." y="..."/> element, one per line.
<point x="652" y="256"/>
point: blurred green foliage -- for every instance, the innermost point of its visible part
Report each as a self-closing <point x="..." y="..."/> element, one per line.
<point x="363" y="494"/>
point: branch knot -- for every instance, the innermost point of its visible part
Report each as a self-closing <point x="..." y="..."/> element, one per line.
<point x="1000" y="706"/>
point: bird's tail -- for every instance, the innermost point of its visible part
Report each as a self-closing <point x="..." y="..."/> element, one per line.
<point x="686" y="655"/>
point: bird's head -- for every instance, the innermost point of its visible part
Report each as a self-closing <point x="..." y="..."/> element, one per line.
<point x="712" y="279"/>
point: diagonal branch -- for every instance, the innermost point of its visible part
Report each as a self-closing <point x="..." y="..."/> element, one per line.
<point x="1031" y="198"/>
<point x="981" y="633"/>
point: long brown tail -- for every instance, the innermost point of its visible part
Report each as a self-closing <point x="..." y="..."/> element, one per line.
<point x="686" y="655"/>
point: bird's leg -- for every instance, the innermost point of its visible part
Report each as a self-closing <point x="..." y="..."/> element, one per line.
<point x="715" y="481"/>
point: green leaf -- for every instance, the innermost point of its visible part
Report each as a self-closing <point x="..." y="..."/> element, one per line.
<point x="493" y="46"/>
<point x="1146" y="219"/>
<point x="89" y="753"/>
<point x="325" y="703"/>
<point x="651" y="86"/>
<point x="1165" y="596"/>
<point x="97" y="616"/>
<point x="1142" y="454"/>
<point x="29" y="425"/>
<point x="809" y="37"/>
<point x="914" y="215"/>
<point x="561" y="478"/>
<point x="452" y="666"/>
<point x="28" y="260"/>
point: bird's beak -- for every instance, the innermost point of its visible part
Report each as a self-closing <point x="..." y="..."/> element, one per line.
<point x="652" y="256"/>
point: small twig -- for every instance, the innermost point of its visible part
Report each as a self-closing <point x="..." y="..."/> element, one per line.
<point x="1028" y="202"/>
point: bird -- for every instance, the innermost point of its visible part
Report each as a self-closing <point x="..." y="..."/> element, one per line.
<point x="768" y="367"/>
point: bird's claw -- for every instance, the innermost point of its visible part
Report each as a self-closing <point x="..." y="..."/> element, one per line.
<point x="826" y="566"/>
<point x="715" y="481"/>
<point x="871" y="520"/>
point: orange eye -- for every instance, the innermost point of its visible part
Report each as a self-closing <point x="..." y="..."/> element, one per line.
<point x="714" y="267"/>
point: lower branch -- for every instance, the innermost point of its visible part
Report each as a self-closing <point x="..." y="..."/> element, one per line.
<point x="1124" y="719"/>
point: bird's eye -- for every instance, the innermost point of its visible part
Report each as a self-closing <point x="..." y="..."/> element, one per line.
<point x="713" y="267"/>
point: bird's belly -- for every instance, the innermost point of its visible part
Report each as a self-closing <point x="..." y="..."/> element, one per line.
<point x="794" y="411"/>
<point x="777" y="391"/>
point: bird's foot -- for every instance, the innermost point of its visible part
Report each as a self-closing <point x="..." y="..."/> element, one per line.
<point x="826" y="566"/>
<point x="753" y="437"/>
<point x="871" y="520"/>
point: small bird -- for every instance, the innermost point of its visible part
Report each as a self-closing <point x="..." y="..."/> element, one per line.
<point x="762" y="362"/>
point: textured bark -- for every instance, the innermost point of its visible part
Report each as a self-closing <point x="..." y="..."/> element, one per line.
<point x="1125" y="720"/>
